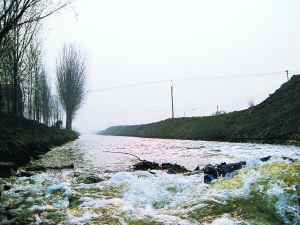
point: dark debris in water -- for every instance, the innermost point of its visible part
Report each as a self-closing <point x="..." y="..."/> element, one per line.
<point x="174" y="168"/>
<point x="213" y="172"/>
<point x="171" y="168"/>
<point x="146" y="165"/>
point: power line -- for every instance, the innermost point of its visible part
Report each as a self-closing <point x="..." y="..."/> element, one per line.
<point x="183" y="79"/>
<point x="166" y="110"/>
<point x="113" y="113"/>
<point x="130" y="85"/>
<point x="195" y="78"/>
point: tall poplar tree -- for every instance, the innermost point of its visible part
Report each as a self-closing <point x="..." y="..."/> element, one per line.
<point x="71" y="81"/>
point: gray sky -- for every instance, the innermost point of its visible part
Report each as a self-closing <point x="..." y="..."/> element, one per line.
<point x="216" y="52"/>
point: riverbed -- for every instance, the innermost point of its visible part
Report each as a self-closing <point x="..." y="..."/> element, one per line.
<point x="103" y="188"/>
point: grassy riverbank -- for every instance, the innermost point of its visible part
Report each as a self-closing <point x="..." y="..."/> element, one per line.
<point x="276" y="120"/>
<point x="22" y="139"/>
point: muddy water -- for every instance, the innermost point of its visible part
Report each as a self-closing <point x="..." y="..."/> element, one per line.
<point x="102" y="189"/>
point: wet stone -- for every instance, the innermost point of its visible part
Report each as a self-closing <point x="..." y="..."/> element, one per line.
<point x="213" y="172"/>
<point x="90" y="179"/>
<point x="7" y="187"/>
<point x="6" y="169"/>
<point x="146" y="165"/>
<point x="36" y="168"/>
<point x="208" y="178"/>
<point x="25" y="173"/>
<point x="174" y="168"/>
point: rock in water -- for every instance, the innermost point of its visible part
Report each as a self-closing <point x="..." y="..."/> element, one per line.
<point x="6" y="169"/>
<point x="208" y="178"/>
<point x="264" y="159"/>
<point x="36" y="168"/>
<point x="25" y="173"/>
<point x="213" y="172"/>
<point x="224" y="168"/>
<point x="146" y="165"/>
<point x="174" y="168"/>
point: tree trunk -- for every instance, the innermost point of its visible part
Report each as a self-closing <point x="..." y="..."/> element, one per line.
<point x="0" y="98"/>
<point x="69" y="121"/>
<point x="15" y="85"/>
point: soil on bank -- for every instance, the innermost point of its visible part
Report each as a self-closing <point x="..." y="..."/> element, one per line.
<point x="276" y="120"/>
<point x="22" y="140"/>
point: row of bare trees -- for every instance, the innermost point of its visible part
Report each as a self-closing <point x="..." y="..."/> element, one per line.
<point x="23" y="78"/>
<point x="38" y="101"/>
<point x="22" y="70"/>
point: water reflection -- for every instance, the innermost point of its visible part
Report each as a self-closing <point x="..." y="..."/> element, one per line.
<point x="106" y="151"/>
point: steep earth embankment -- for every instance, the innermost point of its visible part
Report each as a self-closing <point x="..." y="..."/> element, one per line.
<point x="22" y="139"/>
<point x="276" y="121"/>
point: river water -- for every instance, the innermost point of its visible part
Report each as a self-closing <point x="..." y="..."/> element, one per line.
<point x="103" y="188"/>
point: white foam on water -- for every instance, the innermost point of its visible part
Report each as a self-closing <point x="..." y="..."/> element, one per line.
<point x="158" y="196"/>
<point x="62" y="186"/>
<point x="97" y="204"/>
<point x="29" y="199"/>
<point x="36" y="208"/>
<point x="85" y="218"/>
<point x="172" y="220"/>
<point x="122" y="176"/>
<point x="37" y="219"/>
<point x="223" y="221"/>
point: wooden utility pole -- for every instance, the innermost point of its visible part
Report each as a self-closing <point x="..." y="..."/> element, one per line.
<point x="287" y="75"/>
<point x="172" y="100"/>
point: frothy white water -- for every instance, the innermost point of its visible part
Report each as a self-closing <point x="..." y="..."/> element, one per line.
<point x="259" y="193"/>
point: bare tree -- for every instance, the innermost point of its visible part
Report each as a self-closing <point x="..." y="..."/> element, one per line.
<point x="5" y="73"/>
<point x="14" y="52"/>
<point x="34" y="79"/>
<point x="25" y="77"/>
<point x="251" y="102"/>
<point x="35" y="83"/>
<point x="16" y="13"/>
<point x="71" y="83"/>
<point x="45" y="97"/>
<point x="34" y="64"/>
<point x="55" y="110"/>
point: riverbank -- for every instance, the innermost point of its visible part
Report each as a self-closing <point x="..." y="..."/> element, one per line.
<point x="276" y="120"/>
<point x="22" y="140"/>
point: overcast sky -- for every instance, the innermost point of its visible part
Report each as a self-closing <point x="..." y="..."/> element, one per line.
<point x="216" y="52"/>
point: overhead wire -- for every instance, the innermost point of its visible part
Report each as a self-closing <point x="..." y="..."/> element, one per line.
<point x="166" y="110"/>
<point x="193" y="78"/>
<point x="181" y="79"/>
<point x="130" y="85"/>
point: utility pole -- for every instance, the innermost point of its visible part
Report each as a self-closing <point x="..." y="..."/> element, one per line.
<point x="287" y="74"/>
<point x="172" y="100"/>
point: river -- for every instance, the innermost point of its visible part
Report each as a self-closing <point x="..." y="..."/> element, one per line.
<point x="103" y="188"/>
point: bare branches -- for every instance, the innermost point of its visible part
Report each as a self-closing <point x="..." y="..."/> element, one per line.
<point x="17" y="13"/>
<point x="21" y="64"/>
<point x="71" y="72"/>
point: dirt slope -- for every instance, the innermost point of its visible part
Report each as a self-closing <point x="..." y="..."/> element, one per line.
<point x="22" y="139"/>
